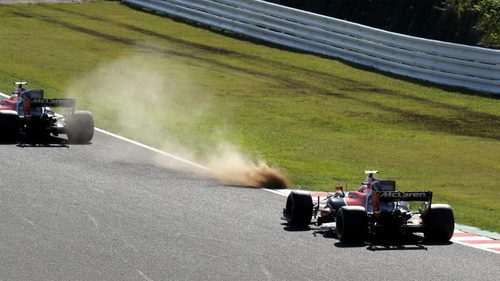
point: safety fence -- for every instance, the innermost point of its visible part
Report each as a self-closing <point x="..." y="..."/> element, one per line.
<point x="429" y="60"/>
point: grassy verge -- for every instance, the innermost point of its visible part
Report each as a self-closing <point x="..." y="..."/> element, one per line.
<point x="316" y="118"/>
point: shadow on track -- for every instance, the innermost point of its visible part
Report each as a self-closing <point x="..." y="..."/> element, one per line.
<point x="384" y="242"/>
<point x="46" y="142"/>
<point x="295" y="229"/>
<point x="49" y="141"/>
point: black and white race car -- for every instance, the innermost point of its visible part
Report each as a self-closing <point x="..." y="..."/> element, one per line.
<point x="27" y="114"/>
<point x="376" y="206"/>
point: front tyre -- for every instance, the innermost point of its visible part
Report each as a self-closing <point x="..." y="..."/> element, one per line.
<point x="299" y="208"/>
<point x="80" y="127"/>
<point x="439" y="223"/>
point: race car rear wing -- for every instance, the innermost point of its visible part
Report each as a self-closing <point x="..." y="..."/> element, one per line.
<point x="69" y="103"/>
<point x="396" y="196"/>
<point x="36" y="99"/>
<point x="392" y="196"/>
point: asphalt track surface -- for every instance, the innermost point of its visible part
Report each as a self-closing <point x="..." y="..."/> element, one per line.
<point x="106" y="211"/>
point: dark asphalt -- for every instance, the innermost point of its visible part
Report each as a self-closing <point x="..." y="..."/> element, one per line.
<point x="106" y="212"/>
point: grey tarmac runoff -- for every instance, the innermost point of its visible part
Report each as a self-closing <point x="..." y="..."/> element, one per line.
<point x="107" y="211"/>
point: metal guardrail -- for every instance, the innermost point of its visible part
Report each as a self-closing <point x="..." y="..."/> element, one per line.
<point x="429" y="60"/>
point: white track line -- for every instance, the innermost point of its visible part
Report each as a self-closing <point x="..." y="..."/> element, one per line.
<point x="153" y="149"/>
<point x="275" y="191"/>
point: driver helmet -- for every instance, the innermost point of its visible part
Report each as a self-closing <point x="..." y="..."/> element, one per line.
<point x="19" y="90"/>
<point x="366" y="182"/>
<point x="369" y="180"/>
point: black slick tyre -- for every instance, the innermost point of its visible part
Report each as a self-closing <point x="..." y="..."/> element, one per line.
<point x="9" y="126"/>
<point x="299" y="208"/>
<point x="80" y="127"/>
<point x="439" y="223"/>
<point x="352" y="224"/>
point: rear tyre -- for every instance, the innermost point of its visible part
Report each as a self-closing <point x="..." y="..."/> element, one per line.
<point x="80" y="127"/>
<point x="9" y="126"/>
<point x="352" y="224"/>
<point x="299" y="208"/>
<point x="439" y="223"/>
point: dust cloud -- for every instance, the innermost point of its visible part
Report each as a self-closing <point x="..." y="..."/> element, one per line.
<point x="230" y="165"/>
<point x="141" y="98"/>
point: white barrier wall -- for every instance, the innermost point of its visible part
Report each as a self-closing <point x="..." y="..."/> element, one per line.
<point x="440" y="62"/>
